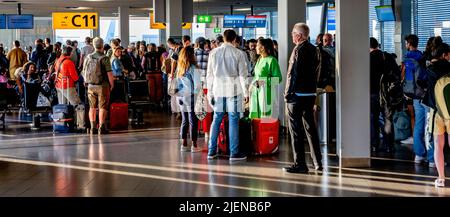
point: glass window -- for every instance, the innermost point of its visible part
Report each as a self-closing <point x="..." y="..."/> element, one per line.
<point x="314" y="20"/>
<point x="140" y="30"/>
<point x="62" y="35"/>
<point x="431" y="19"/>
<point x="109" y="28"/>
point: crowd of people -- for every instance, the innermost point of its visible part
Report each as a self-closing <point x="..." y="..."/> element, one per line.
<point x="408" y="93"/>
<point x="239" y="78"/>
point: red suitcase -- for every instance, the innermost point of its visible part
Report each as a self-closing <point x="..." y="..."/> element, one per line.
<point x="265" y="135"/>
<point x="155" y="87"/>
<point x="223" y="142"/>
<point x="118" y="116"/>
<point x="206" y="123"/>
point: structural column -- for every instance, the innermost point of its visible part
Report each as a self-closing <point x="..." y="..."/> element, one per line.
<point x="174" y="17"/>
<point x="353" y="83"/>
<point x="402" y="26"/>
<point x="290" y="12"/>
<point x="124" y="25"/>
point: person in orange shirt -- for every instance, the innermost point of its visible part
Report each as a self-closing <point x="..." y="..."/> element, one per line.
<point x="66" y="78"/>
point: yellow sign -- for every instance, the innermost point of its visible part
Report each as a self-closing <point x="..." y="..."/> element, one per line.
<point x="154" y="25"/>
<point x="75" y="20"/>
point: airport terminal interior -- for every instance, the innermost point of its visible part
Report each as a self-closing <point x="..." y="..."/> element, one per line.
<point x="46" y="155"/>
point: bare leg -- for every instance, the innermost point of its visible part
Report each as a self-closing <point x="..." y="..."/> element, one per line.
<point x="439" y="141"/>
<point x="102" y="116"/>
<point x="92" y="114"/>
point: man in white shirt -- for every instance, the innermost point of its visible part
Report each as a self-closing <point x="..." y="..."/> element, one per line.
<point x="226" y="78"/>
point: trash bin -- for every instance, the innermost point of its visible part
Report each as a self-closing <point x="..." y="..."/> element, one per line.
<point x="327" y="118"/>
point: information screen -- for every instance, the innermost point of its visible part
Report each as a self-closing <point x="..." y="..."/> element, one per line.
<point x="233" y="21"/>
<point x="2" y="21"/>
<point x="257" y="21"/>
<point x="25" y="21"/>
<point x="385" y="13"/>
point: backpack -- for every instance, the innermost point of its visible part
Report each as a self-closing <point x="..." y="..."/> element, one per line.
<point x="415" y="80"/>
<point x="442" y="95"/>
<point x="391" y="90"/>
<point x="166" y="67"/>
<point x="92" y="71"/>
<point x="402" y="126"/>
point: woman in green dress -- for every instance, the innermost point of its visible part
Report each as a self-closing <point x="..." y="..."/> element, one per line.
<point x="264" y="87"/>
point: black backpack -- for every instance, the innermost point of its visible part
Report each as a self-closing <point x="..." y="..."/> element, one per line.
<point x="391" y="89"/>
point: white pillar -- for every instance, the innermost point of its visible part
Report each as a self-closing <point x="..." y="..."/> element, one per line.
<point x="290" y="12"/>
<point x="353" y="83"/>
<point x="124" y="25"/>
<point x="174" y="15"/>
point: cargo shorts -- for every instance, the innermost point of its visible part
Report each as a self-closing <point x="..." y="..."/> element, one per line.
<point x="441" y="126"/>
<point x="98" y="96"/>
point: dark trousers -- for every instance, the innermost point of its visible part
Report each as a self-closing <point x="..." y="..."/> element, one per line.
<point x="388" y="129"/>
<point x="301" y="122"/>
<point x="189" y="122"/>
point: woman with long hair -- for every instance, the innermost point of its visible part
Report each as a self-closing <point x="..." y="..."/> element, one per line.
<point x="267" y="75"/>
<point x="188" y="87"/>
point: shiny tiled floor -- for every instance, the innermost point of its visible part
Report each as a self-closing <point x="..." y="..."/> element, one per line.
<point x="147" y="162"/>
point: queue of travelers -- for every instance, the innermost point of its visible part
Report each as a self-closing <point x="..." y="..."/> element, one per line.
<point x="214" y="85"/>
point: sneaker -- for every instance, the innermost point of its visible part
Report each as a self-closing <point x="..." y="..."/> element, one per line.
<point x="196" y="149"/>
<point x="212" y="157"/>
<point x="419" y="159"/>
<point x="296" y="169"/>
<point x="185" y="148"/>
<point x="409" y="140"/>
<point x="432" y="165"/>
<point x="439" y="183"/>
<point x="238" y="158"/>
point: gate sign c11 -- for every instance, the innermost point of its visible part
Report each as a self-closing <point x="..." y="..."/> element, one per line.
<point x="75" y="20"/>
<point x="2" y="21"/>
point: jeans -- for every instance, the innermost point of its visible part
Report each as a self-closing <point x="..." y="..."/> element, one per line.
<point x="388" y="123"/>
<point x="429" y="140"/>
<point x="301" y="121"/>
<point x="231" y="105"/>
<point x="420" y="113"/>
<point x="189" y="122"/>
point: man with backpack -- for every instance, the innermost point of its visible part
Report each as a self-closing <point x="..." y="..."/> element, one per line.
<point x="386" y="95"/>
<point x="414" y="87"/>
<point x="99" y="79"/>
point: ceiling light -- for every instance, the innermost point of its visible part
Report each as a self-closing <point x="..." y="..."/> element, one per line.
<point x="243" y="9"/>
<point x="9" y="1"/>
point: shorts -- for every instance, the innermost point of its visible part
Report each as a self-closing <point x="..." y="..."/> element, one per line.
<point x="69" y="94"/>
<point x="98" y="96"/>
<point x="441" y="126"/>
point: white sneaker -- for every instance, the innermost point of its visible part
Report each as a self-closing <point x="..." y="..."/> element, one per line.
<point x="419" y="159"/>
<point x="439" y="183"/>
<point x="196" y="149"/>
<point x="432" y="165"/>
<point x="409" y="140"/>
<point x="185" y="148"/>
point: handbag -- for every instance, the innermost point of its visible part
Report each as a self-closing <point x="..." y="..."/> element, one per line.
<point x="173" y="87"/>
<point x="200" y="106"/>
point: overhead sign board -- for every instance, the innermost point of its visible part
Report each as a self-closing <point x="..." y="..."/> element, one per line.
<point x="3" y="21"/>
<point x="217" y="30"/>
<point x="155" y="25"/>
<point x="24" y="21"/>
<point x="204" y="19"/>
<point x="75" y="20"/>
<point x="256" y="21"/>
<point x="233" y="21"/>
